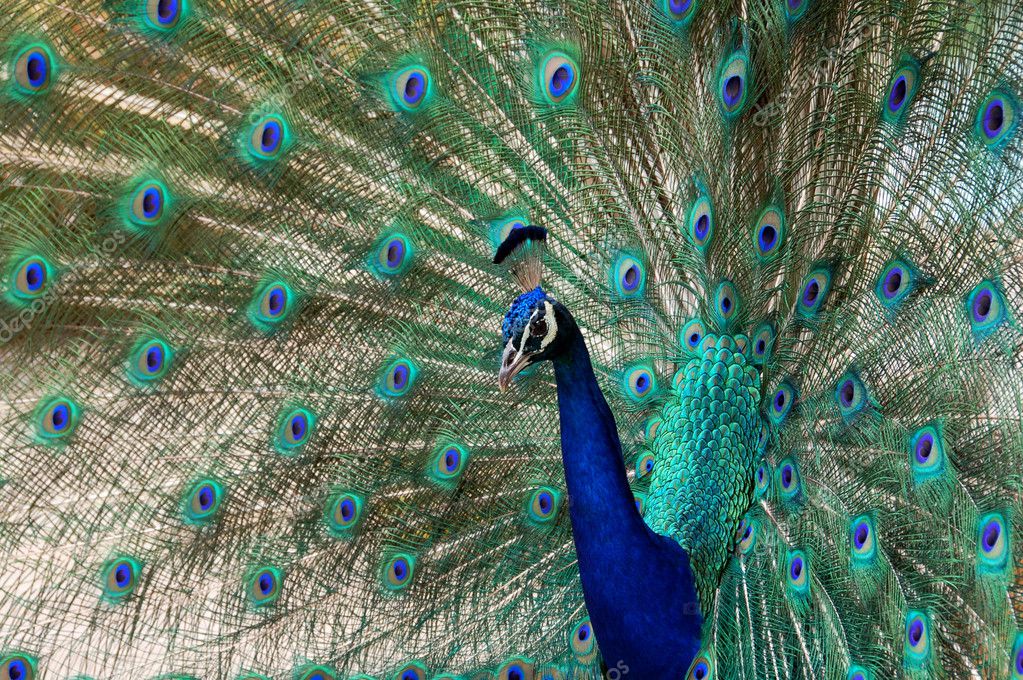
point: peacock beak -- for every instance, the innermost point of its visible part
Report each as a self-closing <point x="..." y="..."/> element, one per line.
<point x="512" y="362"/>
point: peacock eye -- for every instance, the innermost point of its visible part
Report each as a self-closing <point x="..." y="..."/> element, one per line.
<point x="268" y="137"/>
<point x="411" y="87"/>
<point x="538" y="328"/>
<point x="559" y="75"/>
<point x="33" y="70"/>
<point x="17" y="666"/>
<point x="164" y="14"/>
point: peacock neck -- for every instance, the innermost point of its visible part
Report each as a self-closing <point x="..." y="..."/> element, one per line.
<point x="638" y="586"/>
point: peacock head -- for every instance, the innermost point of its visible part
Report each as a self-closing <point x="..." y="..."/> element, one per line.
<point x="530" y="333"/>
<point x="535" y="327"/>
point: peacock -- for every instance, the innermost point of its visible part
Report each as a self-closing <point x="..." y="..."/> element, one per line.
<point x="511" y="339"/>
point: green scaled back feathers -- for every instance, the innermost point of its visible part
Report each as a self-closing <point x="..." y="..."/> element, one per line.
<point x="249" y="331"/>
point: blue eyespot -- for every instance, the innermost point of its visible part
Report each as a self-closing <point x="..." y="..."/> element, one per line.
<point x="30" y="279"/>
<point x="850" y="395"/>
<point x="202" y="501"/>
<point x="993" y="547"/>
<point x="726" y="302"/>
<point x="344" y="510"/>
<point x="120" y="578"/>
<point x="680" y="12"/>
<point x="268" y="137"/>
<point x="543" y="505"/>
<point x="271" y="306"/>
<point x="33" y="70"/>
<point x="814" y="290"/>
<point x="692" y="335"/>
<point x="639" y="382"/>
<point x="746" y="535"/>
<point x="644" y="465"/>
<point x="17" y="666"/>
<point x="762" y="343"/>
<point x="895" y="284"/>
<point x="702" y="667"/>
<point x="640" y="500"/>
<point x="862" y="541"/>
<point x="397" y="378"/>
<point x="500" y="229"/>
<point x="559" y="75"/>
<point x="165" y="15"/>
<point x="412" y="671"/>
<point x="628" y="277"/>
<point x="701" y="221"/>
<point x="926" y="454"/>
<point x="997" y="119"/>
<point x="398" y="571"/>
<point x="986" y="308"/>
<point x="763" y="478"/>
<point x="294" y="430"/>
<point x="583" y="642"/>
<point x="795" y="9"/>
<point x="265" y="586"/>
<point x="56" y="419"/>
<point x="393" y="255"/>
<point x="769" y="233"/>
<point x="516" y="669"/>
<point x="917" y="647"/>
<point x="148" y="204"/>
<point x="782" y="401"/>
<point x="449" y="461"/>
<point x="901" y="89"/>
<point x="151" y="359"/>
<point x="732" y="84"/>
<point x="411" y="88"/>
<point x="789" y="482"/>
<point x="797" y="572"/>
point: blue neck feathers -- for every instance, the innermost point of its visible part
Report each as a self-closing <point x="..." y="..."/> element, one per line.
<point x="639" y="587"/>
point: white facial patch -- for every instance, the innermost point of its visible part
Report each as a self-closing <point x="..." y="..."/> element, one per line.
<point x="552" y="325"/>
